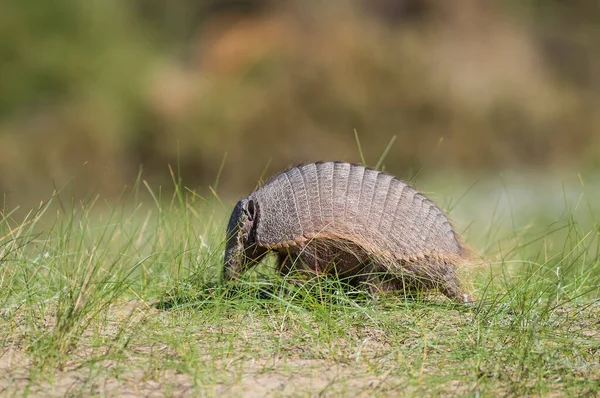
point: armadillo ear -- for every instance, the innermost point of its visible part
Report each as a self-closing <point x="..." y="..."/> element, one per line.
<point x="251" y="210"/>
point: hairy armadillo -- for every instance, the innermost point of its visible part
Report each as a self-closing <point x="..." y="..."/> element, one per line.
<point x="352" y="221"/>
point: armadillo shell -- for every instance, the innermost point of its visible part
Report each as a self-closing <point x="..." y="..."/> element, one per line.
<point x="372" y="209"/>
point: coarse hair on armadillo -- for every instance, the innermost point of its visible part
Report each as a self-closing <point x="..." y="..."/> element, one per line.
<point x="313" y="211"/>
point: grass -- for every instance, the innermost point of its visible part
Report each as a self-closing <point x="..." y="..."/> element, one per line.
<point x="108" y="299"/>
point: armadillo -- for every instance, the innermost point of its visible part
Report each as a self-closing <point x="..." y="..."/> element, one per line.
<point x="351" y="221"/>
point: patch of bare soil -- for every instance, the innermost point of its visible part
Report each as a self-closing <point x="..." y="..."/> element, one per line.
<point x="85" y="372"/>
<point x="251" y="379"/>
<point x="128" y="354"/>
<point x="18" y="379"/>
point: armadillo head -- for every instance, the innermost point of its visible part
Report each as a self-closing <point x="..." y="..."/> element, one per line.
<point x="240" y="249"/>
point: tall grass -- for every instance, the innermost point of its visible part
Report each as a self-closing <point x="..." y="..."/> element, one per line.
<point x="92" y="292"/>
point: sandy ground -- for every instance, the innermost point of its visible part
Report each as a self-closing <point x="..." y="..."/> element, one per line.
<point x="141" y="368"/>
<point x="252" y="378"/>
<point x="83" y="374"/>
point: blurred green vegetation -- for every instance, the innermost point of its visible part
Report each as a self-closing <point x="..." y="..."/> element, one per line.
<point x="93" y="90"/>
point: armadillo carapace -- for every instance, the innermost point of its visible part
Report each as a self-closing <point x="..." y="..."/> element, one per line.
<point x="354" y="222"/>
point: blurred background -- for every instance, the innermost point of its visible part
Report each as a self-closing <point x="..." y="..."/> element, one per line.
<point x="94" y="91"/>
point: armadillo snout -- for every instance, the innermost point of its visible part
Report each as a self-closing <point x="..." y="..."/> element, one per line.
<point x="230" y="270"/>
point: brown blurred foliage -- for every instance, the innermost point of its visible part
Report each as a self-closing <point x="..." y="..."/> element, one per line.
<point x="94" y="90"/>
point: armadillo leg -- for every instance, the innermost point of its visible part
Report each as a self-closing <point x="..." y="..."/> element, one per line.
<point x="451" y="288"/>
<point x="380" y="280"/>
<point x="376" y="285"/>
<point x="374" y="279"/>
<point x="322" y="261"/>
<point x="443" y="277"/>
